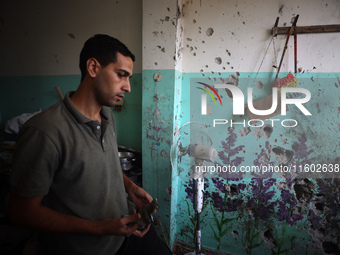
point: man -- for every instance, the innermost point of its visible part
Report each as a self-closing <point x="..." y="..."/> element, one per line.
<point x="66" y="179"/>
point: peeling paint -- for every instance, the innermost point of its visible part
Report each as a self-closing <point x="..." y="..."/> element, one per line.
<point x="210" y="31"/>
<point x="265" y="131"/>
<point x="259" y="84"/>
<point x="245" y="131"/>
<point x="234" y="233"/>
<point x="303" y="191"/>
<point x="268" y="238"/>
<point x="218" y="60"/>
<point x="282" y="156"/>
<point x="169" y="191"/>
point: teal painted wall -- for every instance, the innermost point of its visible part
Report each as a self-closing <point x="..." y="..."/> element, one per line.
<point x="129" y="119"/>
<point x="161" y="110"/>
<point x="166" y="106"/>
<point x="270" y="214"/>
<point x="26" y="94"/>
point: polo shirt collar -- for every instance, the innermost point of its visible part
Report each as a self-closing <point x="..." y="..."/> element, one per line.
<point x="77" y="114"/>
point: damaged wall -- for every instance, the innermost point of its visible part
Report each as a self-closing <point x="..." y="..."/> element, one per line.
<point x="229" y="42"/>
<point x="161" y="107"/>
<point x="212" y="42"/>
<point x="258" y="215"/>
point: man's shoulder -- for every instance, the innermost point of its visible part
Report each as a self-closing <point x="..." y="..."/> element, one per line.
<point x="49" y="118"/>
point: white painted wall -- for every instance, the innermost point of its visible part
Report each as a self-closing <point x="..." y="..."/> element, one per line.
<point x="243" y="29"/>
<point x="34" y="35"/>
<point x="35" y="40"/>
<point x="159" y="34"/>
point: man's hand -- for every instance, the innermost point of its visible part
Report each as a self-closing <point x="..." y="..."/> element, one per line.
<point x="140" y="198"/>
<point x="138" y="195"/>
<point x="125" y="226"/>
<point x="29" y="212"/>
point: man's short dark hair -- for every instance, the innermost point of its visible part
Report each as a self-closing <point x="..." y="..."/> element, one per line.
<point x="104" y="49"/>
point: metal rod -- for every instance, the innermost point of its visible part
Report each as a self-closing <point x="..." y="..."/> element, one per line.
<point x="295" y="50"/>
<point x="198" y="234"/>
<point x="199" y="188"/>
<point x="285" y="48"/>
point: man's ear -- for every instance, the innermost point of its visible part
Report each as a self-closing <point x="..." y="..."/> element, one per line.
<point x="93" y="67"/>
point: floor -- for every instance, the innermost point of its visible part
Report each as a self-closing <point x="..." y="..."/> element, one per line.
<point x="181" y="248"/>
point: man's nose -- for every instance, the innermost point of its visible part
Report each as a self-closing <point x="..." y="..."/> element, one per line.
<point x="127" y="86"/>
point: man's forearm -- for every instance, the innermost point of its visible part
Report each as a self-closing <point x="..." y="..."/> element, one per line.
<point x="138" y="195"/>
<point x="128" y="184"/>
<point x="28" y="212"/>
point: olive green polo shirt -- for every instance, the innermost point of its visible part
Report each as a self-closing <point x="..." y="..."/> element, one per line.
<point x="73" y="162"/>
